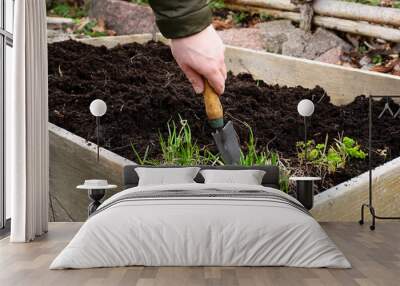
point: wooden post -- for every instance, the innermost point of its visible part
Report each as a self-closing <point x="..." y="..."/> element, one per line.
<point x="306" y="13"/>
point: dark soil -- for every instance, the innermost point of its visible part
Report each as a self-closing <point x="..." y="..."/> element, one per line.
<point x="144" y="88"/>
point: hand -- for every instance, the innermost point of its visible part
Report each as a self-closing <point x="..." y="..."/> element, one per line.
<point x="201" y="56"/>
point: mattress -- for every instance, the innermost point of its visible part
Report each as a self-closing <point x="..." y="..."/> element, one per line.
<point x="201" y="225"/>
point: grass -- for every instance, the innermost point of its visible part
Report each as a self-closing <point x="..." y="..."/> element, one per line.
<point x="254" y="156"/>
<point x="179" y="148"/>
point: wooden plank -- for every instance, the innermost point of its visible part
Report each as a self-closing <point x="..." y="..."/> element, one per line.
<point x="342" y="84"/>
<point x="57" y="212"/>
<point x="72" y="160"/>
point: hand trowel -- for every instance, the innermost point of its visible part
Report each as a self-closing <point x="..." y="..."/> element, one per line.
<point x="225" y="137"/>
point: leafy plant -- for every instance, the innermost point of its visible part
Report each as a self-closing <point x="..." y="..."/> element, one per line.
<point x="349" y="148"/>
<point x="239" y="17"/>
<point x="62" y="10"/>
<point x="67" y="11"/>
<point x="377" y="59"/>
<point x="333" y="157"/>
<point x="216" y="4"/>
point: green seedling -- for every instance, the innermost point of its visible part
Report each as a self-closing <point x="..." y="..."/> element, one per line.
<point x="330" y="158"/>
<point x="377" y="59"/>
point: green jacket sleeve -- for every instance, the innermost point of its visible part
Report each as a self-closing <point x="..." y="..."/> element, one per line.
<point x="181" y="18"/>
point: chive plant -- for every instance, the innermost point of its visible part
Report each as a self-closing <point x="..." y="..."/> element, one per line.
<point x="179" y="148"/>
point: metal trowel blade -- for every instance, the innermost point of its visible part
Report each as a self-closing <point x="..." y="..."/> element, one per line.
<point x="227" y="142"/>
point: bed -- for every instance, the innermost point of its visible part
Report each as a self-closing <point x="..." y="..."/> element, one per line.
<point x="201" y="224"/>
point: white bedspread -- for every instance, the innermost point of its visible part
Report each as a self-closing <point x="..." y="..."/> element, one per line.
<point x="200" y="231"/>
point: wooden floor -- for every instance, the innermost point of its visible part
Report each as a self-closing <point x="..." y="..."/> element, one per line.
<point x="375" y="257"/>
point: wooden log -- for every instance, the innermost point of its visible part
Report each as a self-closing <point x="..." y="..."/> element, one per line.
<point x="359" y="12"/>
<point x="333" y="8"/>
<point x="306" y="15"/>
<point x="275" y="4"/>
<point x="349" y="26"/>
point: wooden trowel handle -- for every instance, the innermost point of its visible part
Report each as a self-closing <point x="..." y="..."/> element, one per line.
<point x="213" y="106"/>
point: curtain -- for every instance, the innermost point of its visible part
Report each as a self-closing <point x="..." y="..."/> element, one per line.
<point x="27" y="159"/>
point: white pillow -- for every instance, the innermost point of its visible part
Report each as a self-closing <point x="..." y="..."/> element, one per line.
<point x="247" y="177"/>
<point x="166" y="176"/>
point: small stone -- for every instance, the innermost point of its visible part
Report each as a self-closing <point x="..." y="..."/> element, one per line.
<point x="396" y="67"/>
<point x="365" y="60"/>
<point x="249" y="38"/>
<point x="296" y="43"/>
<point x="396" y="48"/>
<point x="367" y="67"/>
<point x="124" y="17"/>
<point x="322" y="41"/>
<point x="333" y="56"/>
<point x="275" y="34"/>
<point x="311" y="46"/>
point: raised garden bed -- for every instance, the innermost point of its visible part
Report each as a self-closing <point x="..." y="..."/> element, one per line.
<point x="137" y="112"/>
<point x="144" y="89"/>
